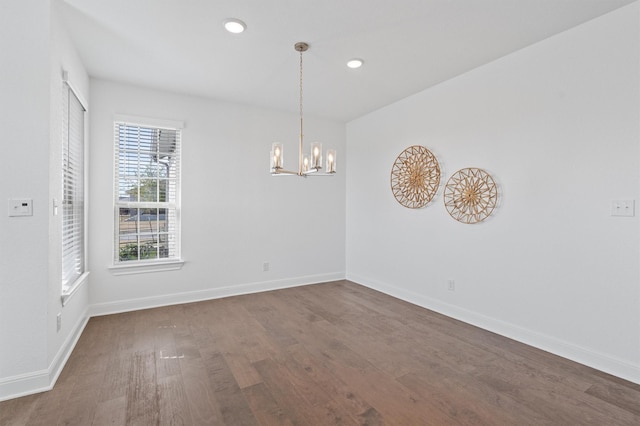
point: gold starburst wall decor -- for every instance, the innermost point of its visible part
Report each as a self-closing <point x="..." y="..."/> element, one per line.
<point x="470" y="195"/>
<point x="415" y="177"/>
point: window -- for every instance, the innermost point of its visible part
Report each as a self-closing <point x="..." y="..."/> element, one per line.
<point x="73" y="206"/>
<point x="147" y="185"/>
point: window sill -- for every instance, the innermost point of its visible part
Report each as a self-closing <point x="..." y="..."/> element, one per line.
<point x="70" y="291"/>
<point x="146" y="267"/>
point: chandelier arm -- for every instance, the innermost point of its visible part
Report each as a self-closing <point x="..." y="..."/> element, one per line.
<point x="284" y="172"/>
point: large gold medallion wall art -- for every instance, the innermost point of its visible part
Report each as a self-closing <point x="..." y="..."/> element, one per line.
<point x="415" y="177"/>
<point x="470" y="195"/>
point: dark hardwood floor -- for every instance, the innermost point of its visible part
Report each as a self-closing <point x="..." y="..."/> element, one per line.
<point x="328" y="354"/>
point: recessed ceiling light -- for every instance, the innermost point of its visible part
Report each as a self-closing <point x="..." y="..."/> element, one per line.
<point x="355" y="63"/>
<point x="234" y="26"/>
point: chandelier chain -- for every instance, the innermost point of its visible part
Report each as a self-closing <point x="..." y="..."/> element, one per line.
<point x="300" y="91"/>
<point x="301" y="137"/>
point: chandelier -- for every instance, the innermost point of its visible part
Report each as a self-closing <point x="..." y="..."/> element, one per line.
<point x="308" y="164"/>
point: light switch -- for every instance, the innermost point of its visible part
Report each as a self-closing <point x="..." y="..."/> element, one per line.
<point x="623" y="208"/>
<point x="21" y="207"/>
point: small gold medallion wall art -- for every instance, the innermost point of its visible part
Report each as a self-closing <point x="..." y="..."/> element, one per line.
<point x="415" y="177"/>
<point x="470" y="195"/>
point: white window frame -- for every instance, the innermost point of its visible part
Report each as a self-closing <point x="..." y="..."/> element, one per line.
<point x="74" y="271"/>
<point x="135" y="266"/>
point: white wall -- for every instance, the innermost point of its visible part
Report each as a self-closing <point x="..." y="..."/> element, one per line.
<point x="235" y="215"/>
<point x="34" y="49"/>
<point x="24" y="115"/>
<point x="556" y="124"/>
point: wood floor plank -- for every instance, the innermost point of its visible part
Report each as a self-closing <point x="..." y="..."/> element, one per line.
<point x="243" y="371"/>
<point x="271" y="320"/>
<point x="47" y="409"/>
<point x="243" y="341"/>
<point x="18" y="411"/>
<point x="110" y="412"/>
<point x="86" y="396"/>
<point x="303" y="382"/>
<point x="233" y="406"/>
<point x="116" y="377"/>
<point x="172" y="402"/>
<point x="623" y="396"/>
<point x="278" y="380"/>
<point x="142" y="397"/>
<point x="264" y="406"/>
<point x="167" y="354"/>
<point x="186" y="345"/>
<point x="199" y="391"/>
<point x="341" y="392"/>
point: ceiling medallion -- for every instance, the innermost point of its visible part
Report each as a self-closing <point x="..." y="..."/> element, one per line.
<point x="470" y="195"/>
<point x="415" y="177"/>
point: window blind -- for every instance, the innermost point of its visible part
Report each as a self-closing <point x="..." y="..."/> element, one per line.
<point x="146" y="199"/>
<point x="73" y="258"/>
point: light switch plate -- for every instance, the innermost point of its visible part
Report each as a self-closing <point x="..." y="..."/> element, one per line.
<point x="623" y="208"/>
<point x="20" y="207"/>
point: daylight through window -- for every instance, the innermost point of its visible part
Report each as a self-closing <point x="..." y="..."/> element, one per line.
<point x="147" y="173"/>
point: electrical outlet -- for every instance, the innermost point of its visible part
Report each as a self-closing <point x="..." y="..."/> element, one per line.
<point x="451" y="285"/>
<point x="59" y="321"/>
<point x="623" y="208"/>
<point x="265" y="266"/>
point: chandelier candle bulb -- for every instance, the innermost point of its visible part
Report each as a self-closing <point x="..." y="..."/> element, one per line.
<point x="331" y="161"/>
<point x="276" y="156"/>
<point x="305" y="163"/>
<point x="316" y="155"/>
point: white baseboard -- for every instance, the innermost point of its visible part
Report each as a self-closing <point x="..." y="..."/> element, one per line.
<point x="43" y="380"/>
<point x="25" y="384"/>
<point x="61" y="358"/>
<point x="213" y="293"/>
<point x="599" y="361"/>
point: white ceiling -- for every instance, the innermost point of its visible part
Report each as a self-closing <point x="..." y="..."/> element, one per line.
<point x="407" y="45"/>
